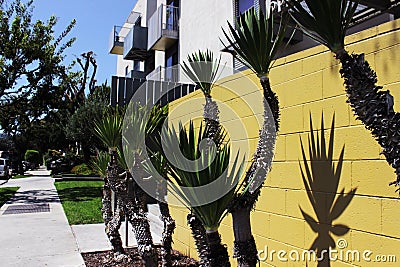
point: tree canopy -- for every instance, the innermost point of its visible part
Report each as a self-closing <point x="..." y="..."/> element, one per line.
<point x="30" y="56"/>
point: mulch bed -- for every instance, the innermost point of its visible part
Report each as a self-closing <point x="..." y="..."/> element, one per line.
<point x="106" y="259"/>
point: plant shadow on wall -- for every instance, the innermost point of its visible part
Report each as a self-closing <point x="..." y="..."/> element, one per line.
<point x="321" y="178"/>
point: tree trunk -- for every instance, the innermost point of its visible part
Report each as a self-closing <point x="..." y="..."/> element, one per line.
<point x="245" y="249"/>
<point x="169" y="228"/>
<point x="137" y="213"/>
<point x="106" y="208"/>
<point x="112" y="229"/>
<point x="169" y="223"/>
<point x="211" y="119"/>
<point x="112" y="221"/>
<point x="200" y="238"/>
<point x="373" y="106"/>
<point x="211" y="116"/>
<point x="218" y="256"/>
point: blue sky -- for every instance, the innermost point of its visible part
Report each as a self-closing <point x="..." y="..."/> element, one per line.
<point x="94" y="22"/>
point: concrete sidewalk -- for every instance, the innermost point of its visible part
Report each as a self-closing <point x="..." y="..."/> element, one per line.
<point x="92" y="237"/>
<point x="34" y="230"/>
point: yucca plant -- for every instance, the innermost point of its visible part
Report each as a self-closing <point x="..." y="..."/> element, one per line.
<point x="123" y="166"/>
<point x="108" y="130"/>
<point x="139" y="123"/>
<point x="156" y="119"/>
<point x="256" y="39"/>
<point x="203" y="167"/>
<point x="202" y="69"/>
<point x="99" y="164"/>
<point x="327" y="22"/>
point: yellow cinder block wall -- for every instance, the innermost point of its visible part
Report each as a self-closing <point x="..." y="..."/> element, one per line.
<point x="308" y="83"/>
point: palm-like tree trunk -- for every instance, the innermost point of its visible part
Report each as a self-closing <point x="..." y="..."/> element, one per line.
<point x="200" y="238"/>
<point x="112" y="229"/>
<point x="372" y="106"/>
<point x="211" y="119"/>
<point x="218" y="253"/>
<point x="169" y="224"/>
<point x="112" y="220"/>
<point x="169" y="228"/>
<point x="245" y="249"/>
<point x="137" y="214"/>
<point x="211" y="116"/>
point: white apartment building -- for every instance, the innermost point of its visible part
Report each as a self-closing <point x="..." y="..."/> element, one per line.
<point x="158" y="34"/>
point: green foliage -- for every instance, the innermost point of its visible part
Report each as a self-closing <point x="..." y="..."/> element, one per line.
<point x="109" y="128"/>
<point x="202" y="69"/>
<point x="99" y="163"/>
<point x="81" y="201"/>
<point x="6" y="143"/>
<point x="326" y="21"/>
<point x="31" y="65"/>
<point x="141" y="129"/>
<point x="80" y="126"/>
<point x="256" y="40"/>
<point x="207" y="170"/>
<point x="82" y="169"/>
<point x="20" y="176"/>
<point x="33" y="156"/>
<point x="6" y="193"/>
<point x="29" y="52"/>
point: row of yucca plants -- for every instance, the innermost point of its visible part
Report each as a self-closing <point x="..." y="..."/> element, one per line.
<point x="255" y="40"/>
<point x="120" y="170"/>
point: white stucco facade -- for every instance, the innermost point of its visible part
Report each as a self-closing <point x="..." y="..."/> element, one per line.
<point x="199" y="29"/>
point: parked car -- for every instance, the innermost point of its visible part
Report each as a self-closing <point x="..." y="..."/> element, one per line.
<point x="4" y="169"/>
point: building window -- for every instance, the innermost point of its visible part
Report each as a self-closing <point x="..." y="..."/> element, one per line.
<point x="243" y="5"/>
<point x="126" y="71"/>
<point x="136" y="65"/>
<point x="171" y="59"/>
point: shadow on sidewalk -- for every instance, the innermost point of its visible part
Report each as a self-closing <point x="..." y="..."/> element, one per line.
<point x="35" y="196"/>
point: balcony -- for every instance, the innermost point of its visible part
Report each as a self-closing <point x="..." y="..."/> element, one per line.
<point x="152" y="92"/>
<point x="163" y="28"/>
<point x="136" y="74"/>
<point x="116" y="41"/>
<point x="135" y="44"/>
<point x="170" y="74"/>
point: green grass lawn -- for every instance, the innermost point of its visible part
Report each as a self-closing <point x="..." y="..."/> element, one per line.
<point x="19" y="176"/>
<point x="81" y="201"/>
<point x="6" y="193"/>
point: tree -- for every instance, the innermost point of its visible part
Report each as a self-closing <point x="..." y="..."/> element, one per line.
<point x="124" y="170"/>
<point x="80" y="126"/>
<point x="255" y="41"/>
<point x="30" y="66"/>
<point x="76" y="83"/>
<point x="202" y="69"/>
<point x="327" y="22"/>
<point x="211" y="167"/>
<point x="30" y="56"/>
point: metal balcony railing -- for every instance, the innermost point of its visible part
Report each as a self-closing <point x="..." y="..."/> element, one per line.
<point x="163" y="27"/>
<point x="116" y="40"/>
<point x="152" y="92"/>
<point x="135" y="44"/>
<point x="170" y="74"/>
